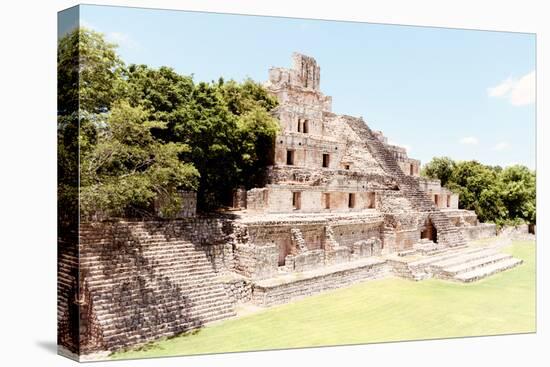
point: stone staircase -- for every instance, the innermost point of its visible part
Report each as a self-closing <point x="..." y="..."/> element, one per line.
<point x="463" y="264"/>
<point x="143" y="285"/>
<point x="473" y="266"/>
<point x="447" y="234"/>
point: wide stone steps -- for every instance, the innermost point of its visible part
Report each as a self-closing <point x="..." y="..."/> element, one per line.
<point x="143" y="284"/>
<point x="488" y="270"/>
<point x="449" y="254"/>
<point x="209" y="314"/>
<point x="464" y="264"/>
<point x="464" y="258"/>
<point x="453" y="271"/>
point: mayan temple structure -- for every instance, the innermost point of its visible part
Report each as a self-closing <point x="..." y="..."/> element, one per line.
<point x="340" y="205"/>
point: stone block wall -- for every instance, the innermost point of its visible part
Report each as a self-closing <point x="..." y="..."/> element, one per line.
<point x="405" y="239"/>
<point x="257" y="199"/>
<point x="308" y="150"/>
<point x="279" y="236"/>
<point x="338" y="255"/>
<point x="371" y="247"/>
<point x="238" y="290"/>
<point x="239" y="198"/>
<point x="348" y="234"/>
<point x="305" y="261"/>
<point x="188" y="205"/>
<point x="520" y="229"/>
<point x="461" y="218"/>
<point x="256" y="262"/>
<point x="483" y="230"/>
<point x="273" y="294"/>
<point x="280" y="199"/>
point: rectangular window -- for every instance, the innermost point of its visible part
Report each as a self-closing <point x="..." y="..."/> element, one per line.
<point x="346" y="166"/>
<point x="296" y="197"/>
<point x="299" y="125"/>
<point x="305" y="126"/>
<point x="371" y="200"/>
<point x="351" y="201"/>
<point x="290" y="157"/>
<point x="326" y="198"/>
<point x="326" y="160"/>
<point x="436" y="200"/>
<point x="412" y="169"/>
<point x="448" y="201"/>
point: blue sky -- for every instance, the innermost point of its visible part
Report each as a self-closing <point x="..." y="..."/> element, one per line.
<point x="439" y="92"/>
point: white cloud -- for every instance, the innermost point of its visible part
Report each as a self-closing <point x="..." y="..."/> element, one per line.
<point x="469" y="140"/>
<point x="503" y="145"/>
<point x="122" y="40"/>
<point x="519" y="92"/>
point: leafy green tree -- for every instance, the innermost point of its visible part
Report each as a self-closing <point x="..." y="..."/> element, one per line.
<point x="128" y="168"/>
<point x="440" y="168"/>
<point x="251" y="103"/>
<point x="161" y="91"/>
<point x="88" y="74"/>
<point x="519" y="192"/>
<point x="122" y="164"/>
<point x="503" y="196"/>
<point x="479" y="189"/>
<point x="227" y="125"/>
<point x="141" y="134"/>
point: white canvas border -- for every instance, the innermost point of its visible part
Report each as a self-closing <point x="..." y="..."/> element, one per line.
<point x="29" y="181"/>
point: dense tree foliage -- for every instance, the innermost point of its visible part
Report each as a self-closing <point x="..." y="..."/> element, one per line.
<point x="503" y="196"/>
<point x="142" y="134"/>
<point x="128" y="168"/>
<point x="441" y="168"/>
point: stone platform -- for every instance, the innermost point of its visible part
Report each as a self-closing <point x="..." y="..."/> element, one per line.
<point x="466" y="263"/>
<point x="291" y="286"/>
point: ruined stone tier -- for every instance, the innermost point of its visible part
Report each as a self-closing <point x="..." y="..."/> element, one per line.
<point x="316" y="147"/>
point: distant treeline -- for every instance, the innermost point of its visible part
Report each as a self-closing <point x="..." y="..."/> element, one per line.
<point x="499" y="195"/>
<point x="146" y="133"/>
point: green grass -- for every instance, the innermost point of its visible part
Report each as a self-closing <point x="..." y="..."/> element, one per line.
<point x="376" y="311"/>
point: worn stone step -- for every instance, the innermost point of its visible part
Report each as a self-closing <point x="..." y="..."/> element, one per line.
<point x="486" y="271"/>
<point x="447" y="255"/>
<point x="464" y="257"/>
<point x="475" y="264"/>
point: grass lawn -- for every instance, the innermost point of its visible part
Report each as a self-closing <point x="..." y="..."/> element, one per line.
<point x="377" y="311"/>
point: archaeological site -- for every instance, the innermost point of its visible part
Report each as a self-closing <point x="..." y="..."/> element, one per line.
<point x="340" y="206"/>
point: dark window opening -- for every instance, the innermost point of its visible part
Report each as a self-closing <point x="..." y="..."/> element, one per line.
<point x="296" y="196"/>
<point x="412" y="169"/>
<point x="346" y="166"/>
<point x="326" y="160"/>
<point x="448" y="201"/>
<point x="305" y="127"/>
<point x="290" y="157"/>
<point x="327" y="200"/>
<point x="371" y="200"/>
<point x="351" y="201"/>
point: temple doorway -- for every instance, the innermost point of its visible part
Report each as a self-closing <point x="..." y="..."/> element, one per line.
<point x="429" y="232"/>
